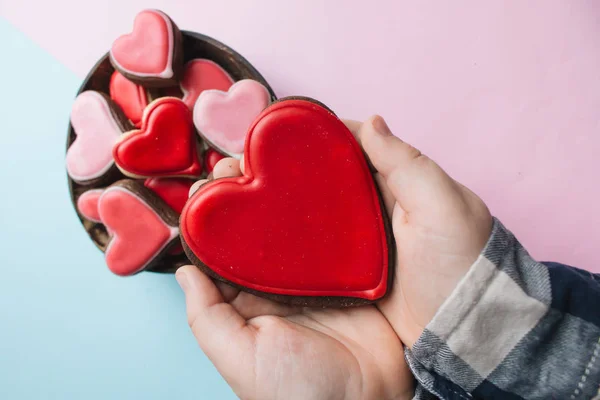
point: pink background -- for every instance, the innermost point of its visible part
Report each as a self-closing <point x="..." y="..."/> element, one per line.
<point x="505" y="95"/>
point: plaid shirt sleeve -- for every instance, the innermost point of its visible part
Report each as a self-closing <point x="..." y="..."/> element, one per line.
<point x="513" y="328"/>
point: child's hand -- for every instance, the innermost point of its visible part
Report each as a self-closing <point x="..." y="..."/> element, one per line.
<point x="439" y="225"/>
<point x="265" y="350"/>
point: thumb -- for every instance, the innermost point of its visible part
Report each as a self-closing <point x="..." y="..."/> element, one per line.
<point x="220" y="330"/>
<point x="415" y="181"/>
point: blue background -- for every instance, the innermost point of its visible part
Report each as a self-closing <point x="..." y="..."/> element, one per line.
<point x="69" y="329"/>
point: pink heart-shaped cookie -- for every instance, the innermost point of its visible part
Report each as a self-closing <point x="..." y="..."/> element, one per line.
<point x="141" y="230"/>
<point x="97" y="126"/>
<point x="223" y="118"/>
<point x="200" y="75"/>
<point x="150" y="53"/>
<point x="87" y="204"/>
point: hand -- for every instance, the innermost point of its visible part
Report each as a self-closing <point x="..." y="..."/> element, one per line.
<point x="439" y="225"/>
<point x="266" y="350"/>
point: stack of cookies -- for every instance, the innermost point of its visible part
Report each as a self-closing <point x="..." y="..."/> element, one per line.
<point x="155" y="115"/>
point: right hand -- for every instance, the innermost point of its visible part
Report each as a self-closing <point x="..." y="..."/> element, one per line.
<point x="439" y="225"/>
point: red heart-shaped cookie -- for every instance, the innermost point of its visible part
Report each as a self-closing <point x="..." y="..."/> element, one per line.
<point x="132" y="98"/>
<point x="199" y="75"/>
<point x="164" y="146"/>
<point x="175" y="193"/>
<point x="211" y="158"/>
<point x="304" y="221"/>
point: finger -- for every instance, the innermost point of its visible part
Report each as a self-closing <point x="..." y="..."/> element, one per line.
<point x="227" y="167"/>
<point x="415" y="181"/>
<point x="227" y="291"/>
<point x="352" y="125"/>
<point x="386" y="195"/>
<point x="250" y="306"/>
<point x="220" y="330"/>
<point x="242" y="165"/>
<point x="194" y="188"/>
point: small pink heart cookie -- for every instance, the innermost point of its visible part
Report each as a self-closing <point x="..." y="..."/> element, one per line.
<point x="223" y="118"/>
<point x="87" y="204"/>
<point x="151" y="54"/>
<point x="143" y="227"/>
<point x="98" y="123"/>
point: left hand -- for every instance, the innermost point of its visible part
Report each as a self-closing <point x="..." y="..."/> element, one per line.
<point x="266" y="350"/>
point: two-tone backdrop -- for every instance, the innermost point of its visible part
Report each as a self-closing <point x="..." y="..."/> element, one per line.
<point x="504" y="95"/>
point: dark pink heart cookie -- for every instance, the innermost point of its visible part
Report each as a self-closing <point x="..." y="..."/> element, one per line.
<point x="151" y="54"/>
<point x="143" y="227"/>
<point x="87" y="204"/>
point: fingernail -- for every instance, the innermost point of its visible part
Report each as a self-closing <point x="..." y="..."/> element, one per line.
<point x="182" y="279"/>
<point x="194" y="188"/>
<point x="381" y="127"/>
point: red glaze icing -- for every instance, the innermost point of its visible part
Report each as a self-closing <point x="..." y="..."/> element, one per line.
<point x="304" y="220"/>
<point x="175" y="193"/>
<point x="176" y="249"/>
<point x="211" y="158"/>
<point x="139" y="233"/>
<point x="164" y="146"/>
<point x="200" y="75"/>
<point x="130" y="97"/>
<point x="87" y="204"/>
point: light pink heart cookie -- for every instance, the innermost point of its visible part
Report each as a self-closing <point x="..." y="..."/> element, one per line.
<point x="151" y="53"/>
<point x="97" y="126"/>
<point x="87" y="204"/>
<point x="223" y="118"/>
<point x="142" y="228"/>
